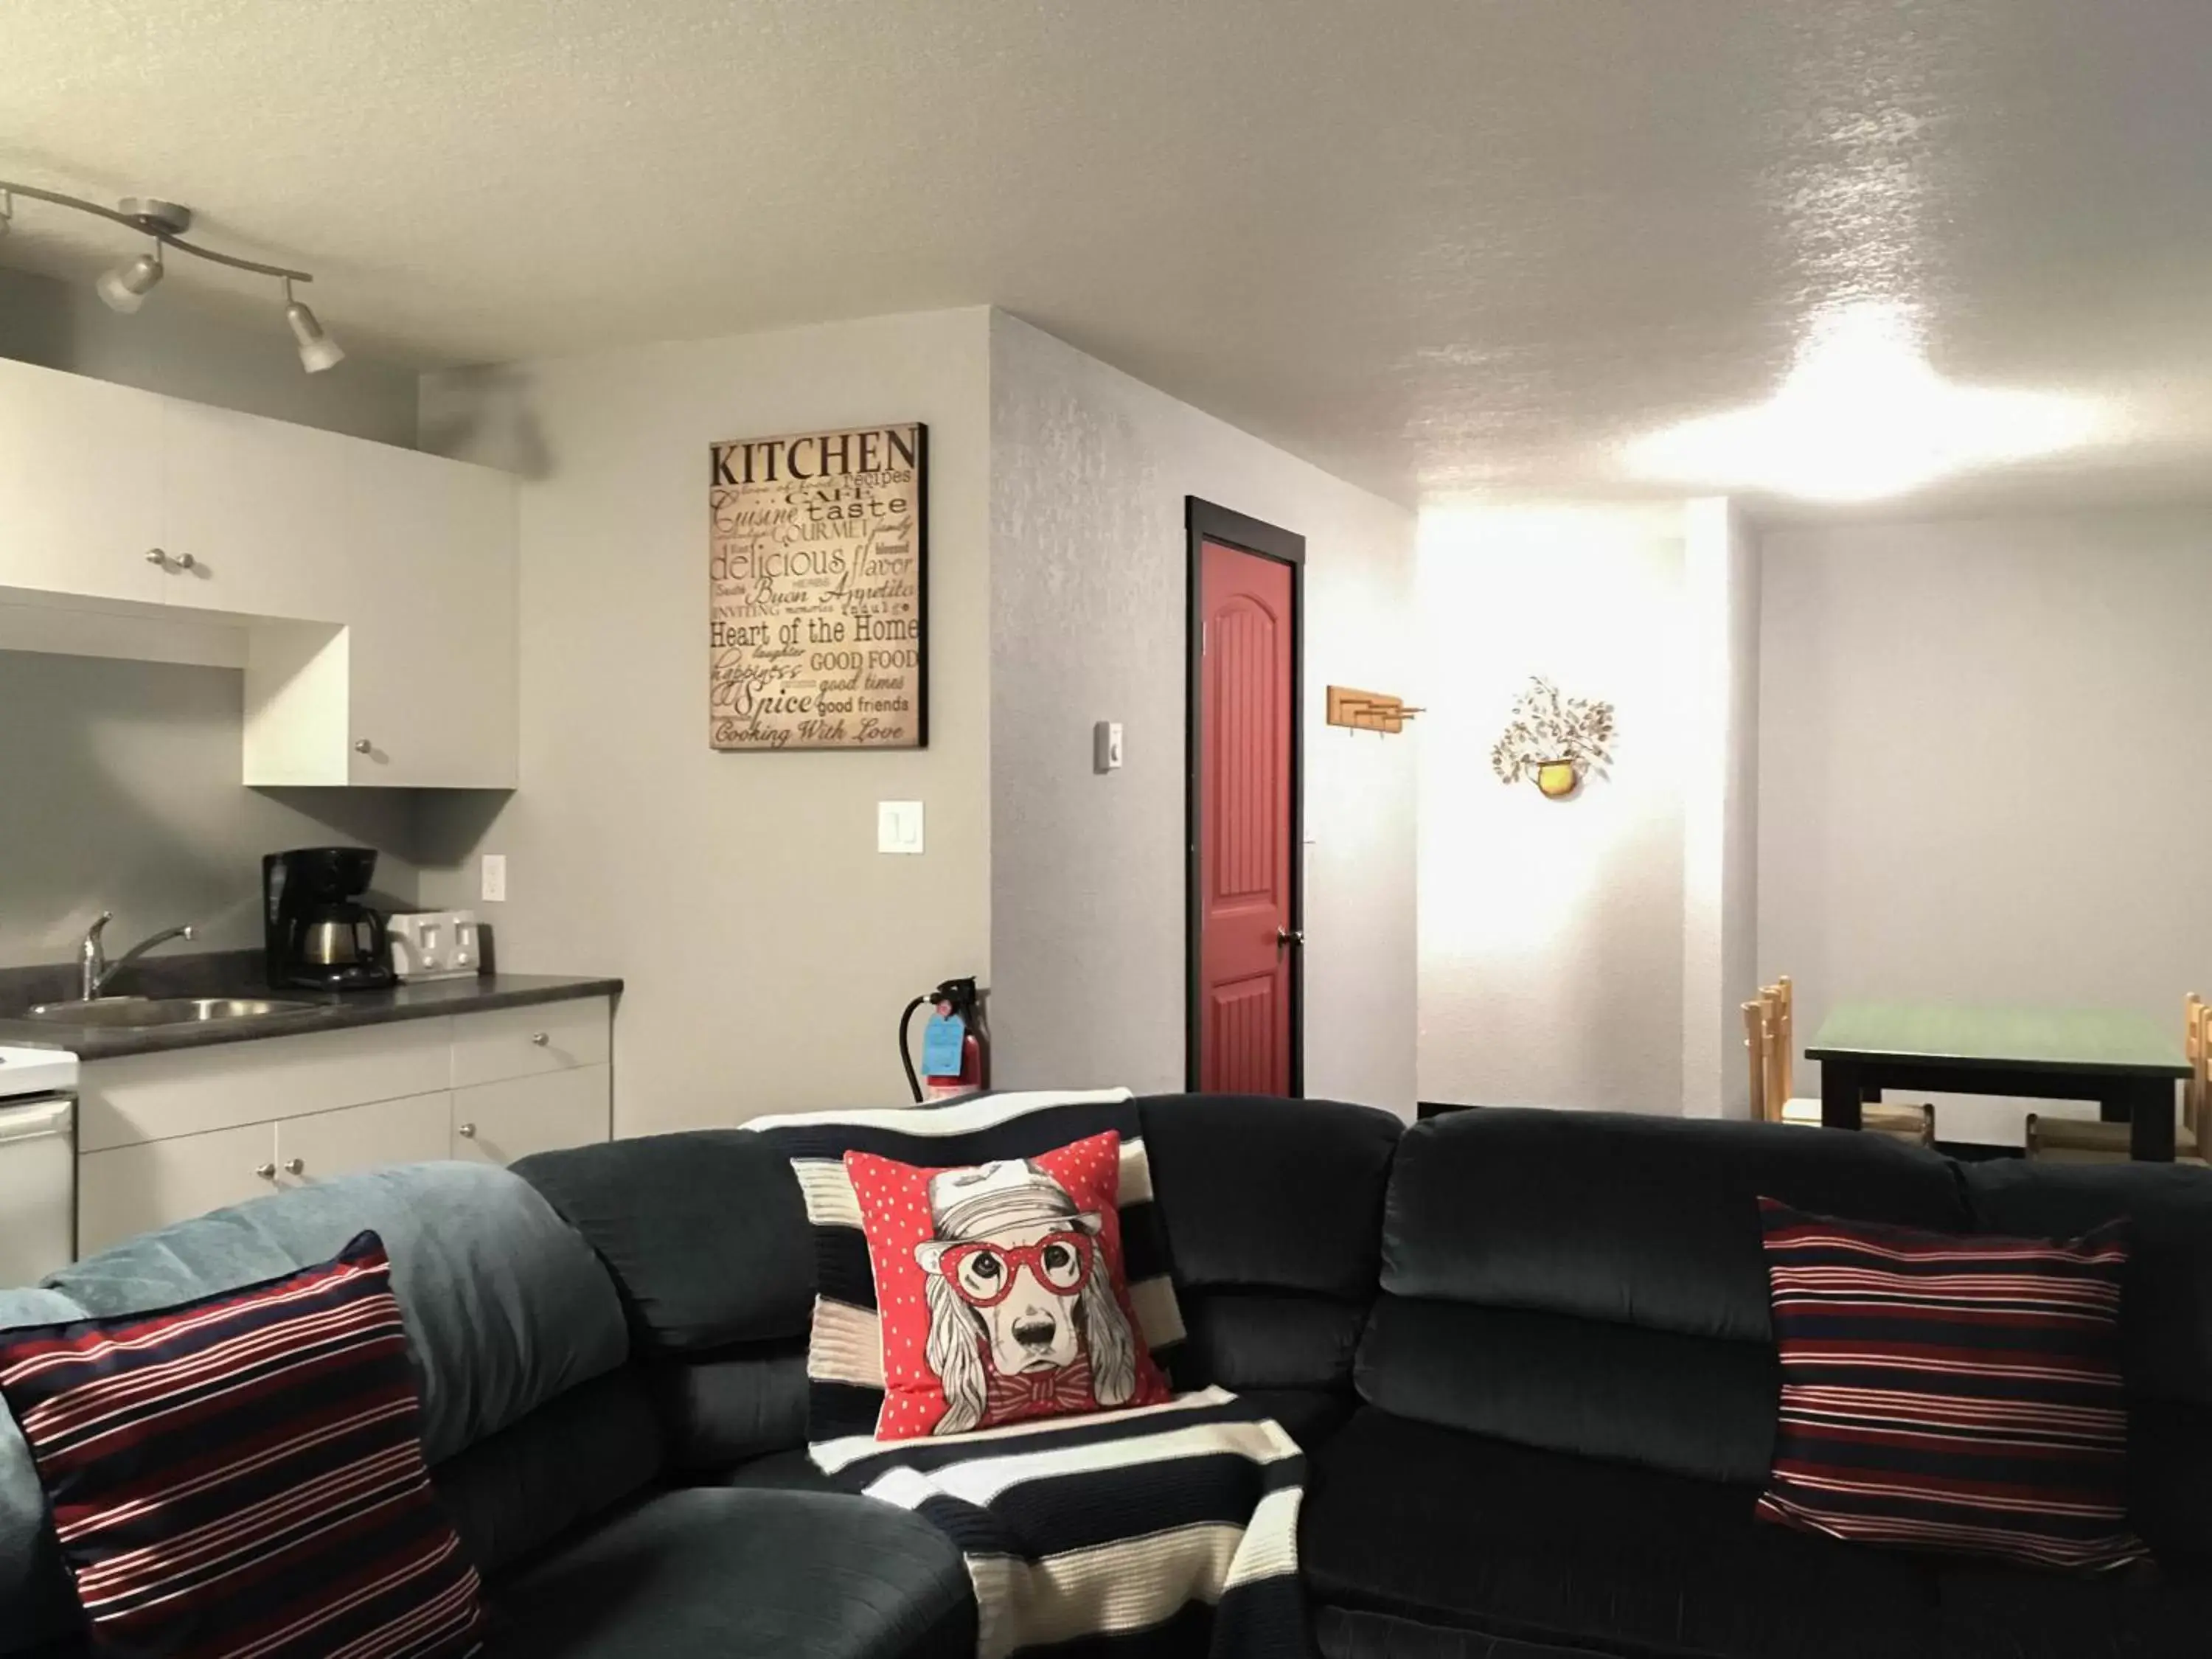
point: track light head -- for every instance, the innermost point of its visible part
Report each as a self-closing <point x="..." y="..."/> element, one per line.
<point x="125" y="288"/>
<point x="318" y="351"/>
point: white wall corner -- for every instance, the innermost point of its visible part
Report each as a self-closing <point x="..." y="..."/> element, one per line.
<point x="1719" y="803"/>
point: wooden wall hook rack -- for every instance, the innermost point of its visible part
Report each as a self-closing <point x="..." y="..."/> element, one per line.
<point x="1368" y="711"/>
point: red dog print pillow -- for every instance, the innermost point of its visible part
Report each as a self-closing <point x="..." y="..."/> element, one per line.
<point x="1001" y="1290"/>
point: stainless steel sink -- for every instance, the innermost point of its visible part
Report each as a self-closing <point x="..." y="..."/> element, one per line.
<point x="164" y="1010"/>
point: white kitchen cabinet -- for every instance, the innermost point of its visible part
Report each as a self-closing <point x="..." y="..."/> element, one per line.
<point x="256" y="506"/>
<point x="326" y="1145"/>
<point x="434" y="682"/>
<point x="164" y="1137"/>
<point x="80" y="486"/>
<point x="128" y="1190"/>
<point x="374" y="587"/>
<point x="499" y="1123"/>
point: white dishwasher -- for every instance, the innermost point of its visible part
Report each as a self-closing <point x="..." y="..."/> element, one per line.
<point x="38" y="1163"/>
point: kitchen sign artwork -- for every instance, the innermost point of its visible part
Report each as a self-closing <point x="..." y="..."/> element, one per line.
<point x="817" y="612"/>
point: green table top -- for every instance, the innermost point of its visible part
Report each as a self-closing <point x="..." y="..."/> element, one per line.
<point x="2076" y="1040"/>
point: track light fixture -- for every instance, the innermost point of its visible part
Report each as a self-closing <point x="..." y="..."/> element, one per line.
<point x="125" y="288"/>
<point x="318" y="351"/>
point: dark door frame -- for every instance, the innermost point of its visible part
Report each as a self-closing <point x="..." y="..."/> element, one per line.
<point x="1204" y="522"/>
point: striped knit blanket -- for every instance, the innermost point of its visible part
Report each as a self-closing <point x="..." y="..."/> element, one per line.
<point x="1167" y="1529"/>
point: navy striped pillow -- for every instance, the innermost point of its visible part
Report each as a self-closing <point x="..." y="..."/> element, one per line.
<point x="1950" y="1393"/>
<point x="242" y="1477"/>
<point x="844" y="1357"/>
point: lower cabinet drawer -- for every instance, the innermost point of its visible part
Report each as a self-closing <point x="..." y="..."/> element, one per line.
<point x="531" y="1042"/>
<point x="134" y="1189"/>
<point x="499" y="1122"/>
<point x="328" y="1145"/>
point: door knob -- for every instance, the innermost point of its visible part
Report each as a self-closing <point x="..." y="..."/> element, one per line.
<point x="467" y="1131"/>
<point x="1289" y="936"/>
<point x="362" y="746"/>
<point x="265" y="1171"/>
<point x="540" y="1038"/>
<point x="296" y="1166"/>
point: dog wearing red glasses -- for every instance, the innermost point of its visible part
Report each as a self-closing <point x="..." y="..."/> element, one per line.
<point x="1023" y="1320"/>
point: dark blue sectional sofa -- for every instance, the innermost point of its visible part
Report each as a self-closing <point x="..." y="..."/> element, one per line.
<point x="1527" y="1352"/>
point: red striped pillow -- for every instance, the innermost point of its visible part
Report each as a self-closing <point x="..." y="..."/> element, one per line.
<point x="242" y="1477"/>
<point x="1947" y="1392"/>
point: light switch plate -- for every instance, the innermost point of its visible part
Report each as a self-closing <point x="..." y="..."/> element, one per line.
<point x="1106" y="746"/>
<point x="898" y="826"/>
<point x="494" y="877"/>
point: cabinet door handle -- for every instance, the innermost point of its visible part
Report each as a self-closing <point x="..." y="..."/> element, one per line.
<point x="157" y="558"/>
<point x="362" y="746"/>
<point x="265" y="1171"/>
<point x="467" y="1131"/>
<point x="296" y="1166"/>
<point x="186" y="562"/>
<point x="541" y="1038"/>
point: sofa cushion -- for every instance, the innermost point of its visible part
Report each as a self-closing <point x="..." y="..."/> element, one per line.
<point x="1263" y="1339"/>
<point x="1258" y="1193"/>
<point x="1456" y="1530"/>
<point x="1680" y="1403"/>
<point x="716" y="1573"/>
<point x="1644" y="1221"/>
<point x="719" y="1409"/>
<point x="704" y="1232"/>
<point x="573" y="1458"/>
<point x="2166" y="1318"/>
<point x="1994" y="1612"/>
<point x="506" y="1307"/>
<point x="1951" y="1392"/>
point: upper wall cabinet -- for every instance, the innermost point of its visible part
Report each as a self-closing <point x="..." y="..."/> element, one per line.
<point x="80" y="486"/>
<point x="375" y="587"/>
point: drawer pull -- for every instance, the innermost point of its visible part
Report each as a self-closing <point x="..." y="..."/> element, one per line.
<point x="467" y="1131"/>
<point x="296" y="1166"/>
<point x="541" y="1038"/>
<point x="265" y="1171"/>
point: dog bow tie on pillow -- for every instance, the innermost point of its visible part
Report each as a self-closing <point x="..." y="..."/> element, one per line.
<point x="1039" y="1394"/>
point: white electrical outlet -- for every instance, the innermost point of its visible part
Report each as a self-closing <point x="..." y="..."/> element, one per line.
<point x="494" y="877"/>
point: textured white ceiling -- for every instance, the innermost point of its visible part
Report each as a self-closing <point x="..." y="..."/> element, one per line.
<point x="1435" y="246"/>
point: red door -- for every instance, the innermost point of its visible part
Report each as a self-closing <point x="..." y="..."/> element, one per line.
<point x="1248" y="685"/>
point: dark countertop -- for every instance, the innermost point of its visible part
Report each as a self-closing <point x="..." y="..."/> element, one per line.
<point x="334" y="1010"/>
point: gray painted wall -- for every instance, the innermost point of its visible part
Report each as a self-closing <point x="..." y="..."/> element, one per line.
<point x="179" y="346"/>
<point x="1983" y="764"/>
<point x="767" y="946"/>
<point x="1089" y="471"/>
<point x="123" y="794"/>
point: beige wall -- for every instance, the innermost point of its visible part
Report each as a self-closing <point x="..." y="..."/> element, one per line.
<point x="1551" y="933"/>
<point x="1984" y="766"/>
<point x="768" y="946"/>
<point x="1090" y="470"/>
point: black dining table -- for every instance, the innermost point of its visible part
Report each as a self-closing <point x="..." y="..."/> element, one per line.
<point x="2126" y="1062"/>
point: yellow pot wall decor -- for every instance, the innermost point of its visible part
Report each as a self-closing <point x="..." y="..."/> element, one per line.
<point x="1558" y="778"/>
<point x="1552" y="741"/>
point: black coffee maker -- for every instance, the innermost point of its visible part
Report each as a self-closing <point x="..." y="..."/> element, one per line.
<point x="319" y="935"/>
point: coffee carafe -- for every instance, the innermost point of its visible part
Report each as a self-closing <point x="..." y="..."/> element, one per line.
<point x="319" y="934"/>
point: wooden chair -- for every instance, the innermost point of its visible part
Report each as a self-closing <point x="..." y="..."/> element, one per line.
<point x="2074" y="1141"/>
<point x="1770" y="1034"/>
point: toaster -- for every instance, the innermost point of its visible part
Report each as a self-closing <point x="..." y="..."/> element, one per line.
<point x="434" y="944"/>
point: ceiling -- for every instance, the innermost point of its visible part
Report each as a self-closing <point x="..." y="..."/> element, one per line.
<point x="1440" y="247"/>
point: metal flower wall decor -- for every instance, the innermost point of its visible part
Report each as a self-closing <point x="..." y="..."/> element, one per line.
<point x="1553" y="740"/>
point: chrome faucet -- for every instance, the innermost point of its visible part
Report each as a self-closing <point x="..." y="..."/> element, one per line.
<point x="92" y="958"/>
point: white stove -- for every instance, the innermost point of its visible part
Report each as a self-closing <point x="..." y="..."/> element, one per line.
<point x="38" y="1163"/>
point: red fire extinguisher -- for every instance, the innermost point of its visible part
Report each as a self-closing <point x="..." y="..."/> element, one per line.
<point x="956" y="1044"/>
